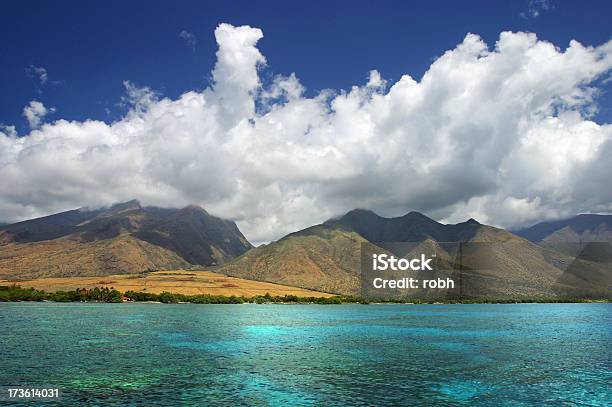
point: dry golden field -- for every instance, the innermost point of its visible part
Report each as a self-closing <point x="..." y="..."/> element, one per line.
<point x="179" y="281"/>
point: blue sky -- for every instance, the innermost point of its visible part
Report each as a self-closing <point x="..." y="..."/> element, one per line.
<point x="510" y="125"/>
<point x="89" y="48"/>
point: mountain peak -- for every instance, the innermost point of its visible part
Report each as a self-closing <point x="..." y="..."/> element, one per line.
<point x="591" y="227"/>
<point x="360" y="212"/>
<point x="125" y="206"/>
<point x="193" y="209"/>
<point x="415" y="215"/>
<point x="353" y="214"/>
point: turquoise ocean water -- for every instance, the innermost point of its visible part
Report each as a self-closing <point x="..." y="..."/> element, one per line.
<point x="187" y="354"/>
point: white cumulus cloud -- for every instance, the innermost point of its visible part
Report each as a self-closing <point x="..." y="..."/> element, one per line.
<point x="501" y="133"/>
<point x="35" y="112"/>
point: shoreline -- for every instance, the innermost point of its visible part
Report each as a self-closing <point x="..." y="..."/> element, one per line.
<point x="15" y="293"/>
<point x="313" y="303"/>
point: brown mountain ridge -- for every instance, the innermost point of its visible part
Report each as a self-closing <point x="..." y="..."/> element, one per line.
<point x="495" y="263"/>
<point x="128" y="238"/>
<point x="124" y="238"/>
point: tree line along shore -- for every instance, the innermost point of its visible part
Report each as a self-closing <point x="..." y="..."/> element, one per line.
<point x="16" y="293"/>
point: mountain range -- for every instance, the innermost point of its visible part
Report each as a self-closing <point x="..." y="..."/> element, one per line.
<point x="129" y="238"/>
<point x="326" y="257"/>
<point x="581" y="228"/>
<point x="124" y="238"/>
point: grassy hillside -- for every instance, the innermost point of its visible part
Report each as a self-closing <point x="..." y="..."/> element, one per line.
<point x="319" y="258"/>
<point x="493" y="263"/>
<point x="68" y="257"/>
<point x="124" y="238"/>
